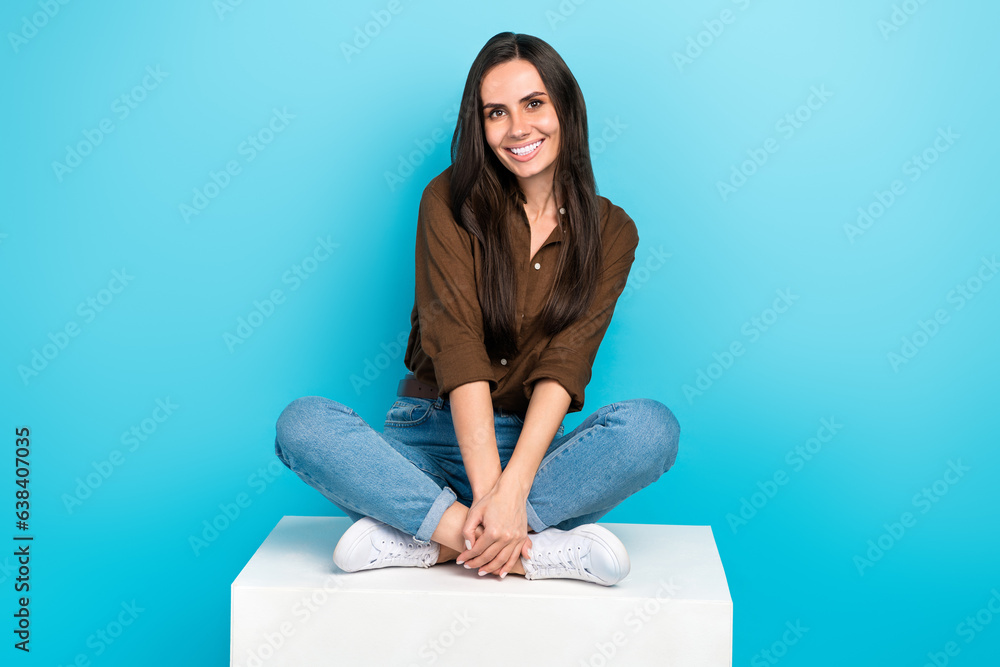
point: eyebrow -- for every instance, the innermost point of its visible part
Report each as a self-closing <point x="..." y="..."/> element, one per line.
<point x="493" y="105"/>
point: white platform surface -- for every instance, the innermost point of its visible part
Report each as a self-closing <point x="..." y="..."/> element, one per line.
<point x="292" y="606"/>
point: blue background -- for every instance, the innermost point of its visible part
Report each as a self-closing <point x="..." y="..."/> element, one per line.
<point x="672" y="131"/>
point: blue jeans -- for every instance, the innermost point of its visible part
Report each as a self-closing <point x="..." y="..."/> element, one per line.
<point x="409" y="474"/>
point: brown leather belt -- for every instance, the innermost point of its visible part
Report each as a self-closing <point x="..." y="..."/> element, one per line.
<point x="414" y="388"/>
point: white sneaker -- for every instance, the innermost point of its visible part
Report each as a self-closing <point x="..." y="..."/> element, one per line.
<point x="588" y="552"/>
<point x="369" y="544"/>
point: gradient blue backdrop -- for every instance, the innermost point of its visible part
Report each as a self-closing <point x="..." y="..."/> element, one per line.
<point x="665" y="132"/>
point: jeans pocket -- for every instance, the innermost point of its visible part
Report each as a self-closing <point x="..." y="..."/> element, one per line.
<point x="409" y="411"/>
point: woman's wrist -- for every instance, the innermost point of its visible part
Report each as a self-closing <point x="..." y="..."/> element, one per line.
<point x="513" y="479"/>
<point x="484" y="483"/>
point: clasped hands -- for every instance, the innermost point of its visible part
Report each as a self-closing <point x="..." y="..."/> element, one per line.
<point x="502" y="515"/>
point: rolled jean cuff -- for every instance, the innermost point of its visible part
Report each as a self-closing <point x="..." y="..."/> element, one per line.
<point x="534" y="522"/>
<point x="433" y="518"/>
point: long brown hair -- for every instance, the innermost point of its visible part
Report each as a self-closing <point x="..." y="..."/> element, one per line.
<point x="485" y="196"/>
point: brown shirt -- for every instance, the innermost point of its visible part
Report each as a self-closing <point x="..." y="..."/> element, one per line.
<point x="446" y="345"/>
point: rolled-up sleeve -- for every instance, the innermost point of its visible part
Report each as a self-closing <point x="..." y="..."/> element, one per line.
<point x="450" y="319"/>
<point x="569" y="356"/>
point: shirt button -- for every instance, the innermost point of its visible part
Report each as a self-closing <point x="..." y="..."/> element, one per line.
<point x="503" y="361"/>
<point x="537" y="265"/>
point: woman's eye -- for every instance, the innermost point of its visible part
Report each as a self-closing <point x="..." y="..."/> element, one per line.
<point x="538" y="102"/>
<point x="495" y="111"/>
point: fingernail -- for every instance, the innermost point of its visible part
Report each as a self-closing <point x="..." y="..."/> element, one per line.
<point x="468" y="567"/>
<point x="459" y="562"/>
<point x="468" y="544"/>
<point x="503" y="574"/>
<point x="481" y="573"/>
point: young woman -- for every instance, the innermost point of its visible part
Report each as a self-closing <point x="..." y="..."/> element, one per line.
<point x="519" y="264"/>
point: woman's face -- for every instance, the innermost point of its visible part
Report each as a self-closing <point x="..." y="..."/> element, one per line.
<point x="519" y="116"/>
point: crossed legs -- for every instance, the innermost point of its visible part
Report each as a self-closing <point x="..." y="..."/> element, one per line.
<point x="617" y="450"/>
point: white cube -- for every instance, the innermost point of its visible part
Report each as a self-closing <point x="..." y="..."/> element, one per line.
<point x="292" y="606"/>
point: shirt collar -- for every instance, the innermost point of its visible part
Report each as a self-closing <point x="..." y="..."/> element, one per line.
<point x="557" y="234"/>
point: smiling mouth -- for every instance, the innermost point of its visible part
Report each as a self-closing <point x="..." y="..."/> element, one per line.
<point x="526" y="150"/>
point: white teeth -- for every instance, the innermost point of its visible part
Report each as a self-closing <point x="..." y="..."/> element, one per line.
<point x="527" y="149"/>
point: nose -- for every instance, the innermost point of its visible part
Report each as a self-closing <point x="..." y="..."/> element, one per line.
<point x="518" y="126"/>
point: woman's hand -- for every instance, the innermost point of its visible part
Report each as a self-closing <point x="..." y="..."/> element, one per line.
<point x="501" y="513"/>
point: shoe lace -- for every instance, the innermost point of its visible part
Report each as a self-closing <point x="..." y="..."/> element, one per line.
<point x="568" y="560"/>
<point x="392" y="550"/>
